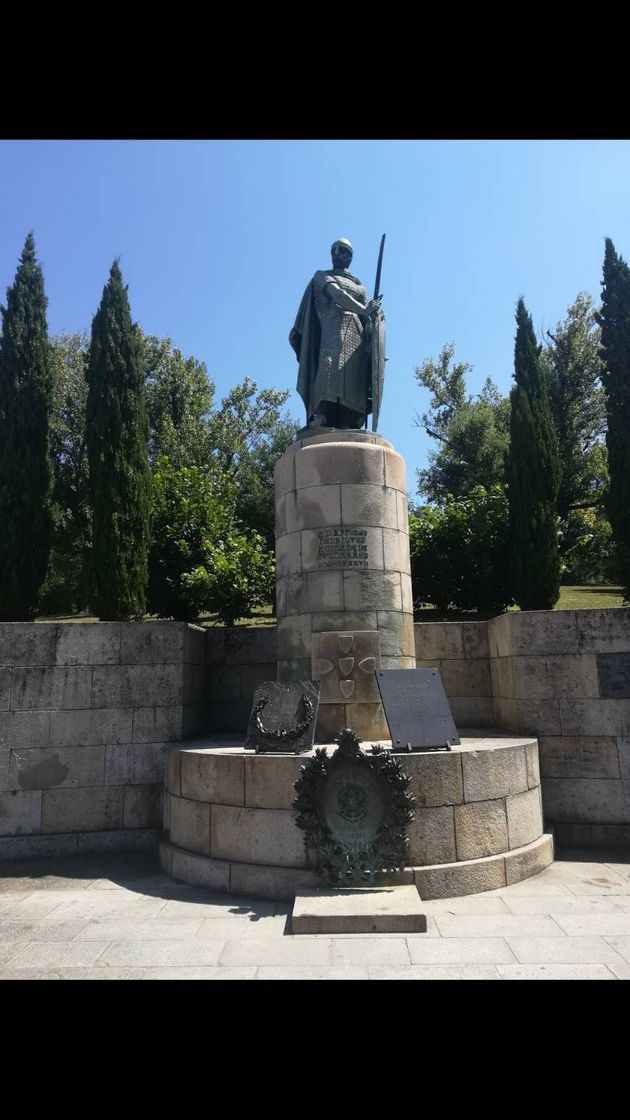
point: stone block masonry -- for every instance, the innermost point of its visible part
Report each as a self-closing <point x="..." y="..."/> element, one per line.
<point x="85" y="712"/>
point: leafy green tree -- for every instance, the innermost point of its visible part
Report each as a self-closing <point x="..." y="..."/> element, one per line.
<point x="614" y="320"/>
<point x="117" y="434"/>
<point x="576" y="399"/>
<point x="460" y="553"/>
<point x="533" y="476"/>
<point x="473" y="432"/>
<point x="25" y="474"/>
<point x="180" y="397"/>
<point x="201" y="560"/>
<point x="66" y="587"/>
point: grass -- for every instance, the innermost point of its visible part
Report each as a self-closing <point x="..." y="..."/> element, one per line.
<point x="571" y="598"/>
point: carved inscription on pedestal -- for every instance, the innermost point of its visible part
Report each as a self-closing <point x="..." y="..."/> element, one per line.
<point x="342" y="548"/>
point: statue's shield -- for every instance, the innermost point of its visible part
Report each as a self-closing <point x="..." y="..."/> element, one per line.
<point x="378" y="365"/>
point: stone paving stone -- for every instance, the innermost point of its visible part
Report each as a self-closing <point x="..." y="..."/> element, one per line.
<point x="52" y="954"/>
<point x="10" y="949"/>
<point x="154" y="954"/>
<point x="501" y="925"/>
<point x="330" y="973"/>
<point x="469" y="904"/>
<point x="568" y="904"/>
<point x="285" y="951"/>
<point x="36" y="906"/>
<point x="565" y="950"/>
<point x="139" y="931"/>
<point x="23" y="974"/>
<point x="556" y="972"/>
<point x="241" y="926"/>
<point x="460" y="950"/>
<point x="370" y="950"/>
<point x="95" y="973"/>
<point x="595" y="925"/>
<point x="621" y="945"/>
<point x="621" y="971"/>
<point x="191" y="972"/>
<point x="48" y="929"/>
<point x="228" y="907"/>
<point x="107" y="907"/>
<point x="435" y="972"/>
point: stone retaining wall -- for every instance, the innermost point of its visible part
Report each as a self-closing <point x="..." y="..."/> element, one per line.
<point x="85" y="711"/>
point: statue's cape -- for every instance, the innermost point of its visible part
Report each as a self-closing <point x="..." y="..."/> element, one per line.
<point x="305" y="340"/>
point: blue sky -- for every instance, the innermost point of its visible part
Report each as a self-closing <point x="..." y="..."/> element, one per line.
<point x="217" y="240"/>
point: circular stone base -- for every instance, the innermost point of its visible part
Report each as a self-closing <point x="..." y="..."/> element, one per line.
<point x="229" y="823"/>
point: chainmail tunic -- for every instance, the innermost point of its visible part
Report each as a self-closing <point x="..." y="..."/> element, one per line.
<point x="342" y="371"/>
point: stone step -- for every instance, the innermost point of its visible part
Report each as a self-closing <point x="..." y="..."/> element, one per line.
<point x="359" y="910"/>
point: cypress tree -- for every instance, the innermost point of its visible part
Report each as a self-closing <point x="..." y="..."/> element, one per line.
<point x="117" y="437"/>
<point x="533" y="476"/>
<point x="25" y="471"/>
<point x="614" y="320"/>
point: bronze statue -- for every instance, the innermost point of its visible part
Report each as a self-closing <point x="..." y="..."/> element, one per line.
<point x="339" y="336"/>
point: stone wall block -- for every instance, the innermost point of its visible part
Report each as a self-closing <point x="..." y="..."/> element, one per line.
<point x="21" y="730"/>
<point x="533" y="764"/>
<point x="224" y="682"/>
<point x="268" y="836"/>
<point x="88" y="643"/>
<point x="456" y="879"/>
<point x="313" y="508"/>
<point x="172" y="772"/>
<point x="472" y="711"/>
<point x="595" y="800"/>
<point x="291" y="669"/>
<point x="135" y="764"/>
<point x="230" y="716"/>
<point x="190" y="825"/>
<point x="27" y="643"/>
<point x="594" y="717"/>
<point x="131" y="686"/>
<point x="481" y="829"/>
<point x="402" y="512"/>
<point x="289" y="553"/>
<point x="250" y="645"/>
<point x="143" y="643"/>
<point x="494" y="773"/>
<point x="541" y="678"/>
<point x="605" y="630"/>
<point x="439" y="639"/>
<point x="280" y="513"/>
<point x="82" y="810"/>
<point x="212" y="778"/>
<point x="254" y="676"/>
<point x="397" y="634"/>
<point x="368" y="505"/>
<point x="269" y="781"/>
<point x="20" y="812"/>
<point x="534" y="858"/>
<point x="49" y="768"/>
<point x="432" y="836"/>
<point x="157" y="725"/>
<point x="435" y="779"/>
<point x="364" y="590"/>
<point x="294" y="636"/>
<point x="499" y="636"/>
<point x="215" y="645"/>
<point x="466" y="677"/>
<point x="325" y="464"/>
<point x="213" y="874"/>
<point x="194" y="684"/>
<point x="396" y="551"/>
<point x="142" y="806"/>
<point x="579" y="756"/>
<point x="524" y="817"/>
<point x="51" y="687"/>
<point x="540" y="633"/>
<point x="395" y="472"/>
<point x="476" y="639"/>
<point x="284" y="472"/>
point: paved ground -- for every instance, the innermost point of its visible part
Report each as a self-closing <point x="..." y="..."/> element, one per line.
<point x="120" y="918"/>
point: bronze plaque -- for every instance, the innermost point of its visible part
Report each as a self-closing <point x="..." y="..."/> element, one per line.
<point x="353" y="804"/>
<point x="614" y="675"/>
<point x="283" y="717"/>
<point x="416" y="709"/>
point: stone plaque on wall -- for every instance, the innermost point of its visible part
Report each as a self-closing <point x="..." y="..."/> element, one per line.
<point x="614" y="675"/>
<point x="342" y="548"/>
<point x="416" y="709"/>
<point x="345" y="663"/>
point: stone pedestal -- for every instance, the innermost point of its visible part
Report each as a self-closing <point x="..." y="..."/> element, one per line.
<point x="344" y="601"/>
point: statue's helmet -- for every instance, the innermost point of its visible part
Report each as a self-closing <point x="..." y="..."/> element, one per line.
<point x="341" y="241"/>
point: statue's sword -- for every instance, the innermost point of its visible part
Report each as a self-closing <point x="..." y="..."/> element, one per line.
<point x="377" y="284"/>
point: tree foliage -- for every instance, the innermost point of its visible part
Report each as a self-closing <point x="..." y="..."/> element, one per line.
<point x="614" y="320"/>
<point x="473" y="432"/>
<point x="25" y="473"/>
<point x="117" y="435"/>
<point x="533" y="476"/>
<point x="460" y="553"/>
<point x="576" y="399"/>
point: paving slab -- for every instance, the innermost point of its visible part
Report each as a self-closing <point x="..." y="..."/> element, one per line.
<point x="383" y="910"/>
